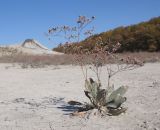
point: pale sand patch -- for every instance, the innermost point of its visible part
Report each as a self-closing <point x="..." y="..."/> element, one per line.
<point x="35" y="99"/>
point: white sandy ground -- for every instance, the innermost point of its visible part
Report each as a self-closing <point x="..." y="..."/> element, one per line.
<point x="35" y="99"/>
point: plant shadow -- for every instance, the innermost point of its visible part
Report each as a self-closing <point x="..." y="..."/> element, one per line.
<point x="68" y="109"/>
<point x="71" y="107"/>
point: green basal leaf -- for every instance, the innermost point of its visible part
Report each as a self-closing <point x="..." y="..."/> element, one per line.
<point x="120" y="91"/>
<point x="116" y="103"/>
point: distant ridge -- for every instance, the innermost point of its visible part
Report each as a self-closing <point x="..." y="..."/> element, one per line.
<point x="144" y="36"/>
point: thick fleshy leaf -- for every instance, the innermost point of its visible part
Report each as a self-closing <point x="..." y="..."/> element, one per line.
<point x="92" y="88"/>
<point x="118" y="92"/>
<point x="116" y="112"/>
<point x="116" y="103"/>
<point x="87" y="86"/>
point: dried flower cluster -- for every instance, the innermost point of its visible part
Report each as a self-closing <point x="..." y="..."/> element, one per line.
<point x="73" y="34"/>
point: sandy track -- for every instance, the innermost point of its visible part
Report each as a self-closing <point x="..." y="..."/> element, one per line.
<point x="35" y="99"/>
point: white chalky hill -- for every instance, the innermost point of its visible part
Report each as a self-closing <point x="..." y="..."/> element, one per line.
<point x="29" y="46"/>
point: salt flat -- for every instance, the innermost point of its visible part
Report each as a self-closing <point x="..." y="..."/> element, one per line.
<point x="36" y="99"/>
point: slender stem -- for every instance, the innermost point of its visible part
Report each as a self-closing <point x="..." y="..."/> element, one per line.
<point x="83" y="71"/>
<point x="109" y="77"/>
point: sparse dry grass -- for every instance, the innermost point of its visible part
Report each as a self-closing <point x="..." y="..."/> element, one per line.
<point x="43" y="60"/>
<point x="36" y="61"/>
<point x="146" y="57"/>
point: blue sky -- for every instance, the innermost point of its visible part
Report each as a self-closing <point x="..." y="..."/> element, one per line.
<point x="22" y="19"/>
